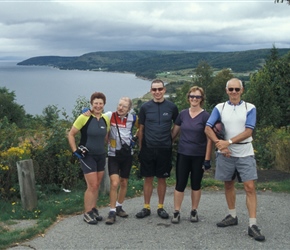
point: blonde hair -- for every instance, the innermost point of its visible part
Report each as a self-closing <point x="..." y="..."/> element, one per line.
<point x="195" y="88"/>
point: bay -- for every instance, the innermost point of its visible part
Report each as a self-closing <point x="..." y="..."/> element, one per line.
<point x="36" y="87"/>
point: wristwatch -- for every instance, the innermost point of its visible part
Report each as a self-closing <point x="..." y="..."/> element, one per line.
<point x="230" y="141"/>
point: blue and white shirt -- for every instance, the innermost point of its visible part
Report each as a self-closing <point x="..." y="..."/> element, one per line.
<point x="235" y="119"/>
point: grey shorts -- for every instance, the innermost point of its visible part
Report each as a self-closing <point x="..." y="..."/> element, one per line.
<point x="226" y="166"/>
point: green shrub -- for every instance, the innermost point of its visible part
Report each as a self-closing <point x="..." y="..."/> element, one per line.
<point x="262" y="147"/>
<point x="280" y="141"/>
<point x="272" y="147"/>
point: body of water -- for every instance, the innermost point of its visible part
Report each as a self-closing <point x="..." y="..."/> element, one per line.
<point x="36" y="87"/>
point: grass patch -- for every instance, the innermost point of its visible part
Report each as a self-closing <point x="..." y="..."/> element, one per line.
<point x="49" y="208"/>
<point x="277" y="186"/>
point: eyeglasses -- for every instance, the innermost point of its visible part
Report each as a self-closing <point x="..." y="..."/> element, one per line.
<point x="155" y="89"/>
<point x="195" y="96"/>
<point x="232" y="89"/>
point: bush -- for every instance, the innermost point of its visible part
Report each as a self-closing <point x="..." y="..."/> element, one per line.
<point x="8" y="169"/>
<point x="262" y="147"/>
<point x="46" y="145"/>
<point x="280" y="148"/>
<point x="272" y="147"/>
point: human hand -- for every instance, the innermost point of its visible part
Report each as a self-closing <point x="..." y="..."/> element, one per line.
<point x="221" y="144"/>
<point x="206" y="165"/>
<point x="86" y="112"/>
<point x="226" y="152"/>
<point x="81" y="152"/>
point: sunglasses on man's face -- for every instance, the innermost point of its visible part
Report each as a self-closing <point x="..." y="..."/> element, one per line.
<point x="155" y="89"/>
<point x="232" y="89"/>
<point x="195" y="96"/>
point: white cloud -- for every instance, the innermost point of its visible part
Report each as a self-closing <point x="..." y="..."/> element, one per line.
<point x="69" y="28"/>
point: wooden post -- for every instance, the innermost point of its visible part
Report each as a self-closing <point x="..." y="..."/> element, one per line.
<point x="105" y="184"/>
<point x="26" y="180"/>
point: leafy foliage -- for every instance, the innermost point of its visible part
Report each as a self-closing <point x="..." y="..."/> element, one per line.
<point x="81" y="103"/>
<point x="215" y="92"/>
<point x="9" y="108"/>
<point x="269" y="90"/>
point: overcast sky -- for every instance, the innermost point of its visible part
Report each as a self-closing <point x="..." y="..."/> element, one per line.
<point x="72" y="28"/>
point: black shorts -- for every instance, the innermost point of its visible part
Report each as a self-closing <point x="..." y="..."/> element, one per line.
<point x="189" y="166"/>
<point x="120" y="165"/>
<point x="93" y="163"/>
<point x="155" y="162"/>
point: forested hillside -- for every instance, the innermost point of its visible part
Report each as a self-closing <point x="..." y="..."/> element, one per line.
<point x="149" y="63"/>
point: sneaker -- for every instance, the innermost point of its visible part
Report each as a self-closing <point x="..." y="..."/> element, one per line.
<point x="120" y="212"/>
<point x="193" y="216"/>
<point x="228" y="221"/>
<point x="111" y="218"/>
<point x="90" y="218"/>
<point x="176" y="217"/>
<point x="162" y="213"/>
<point x="143" y="213"/>
<point x="96" y="214"/>
<point x="254" y="232"/>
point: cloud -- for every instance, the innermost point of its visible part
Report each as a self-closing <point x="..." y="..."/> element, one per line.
<point x="71" y="28"/>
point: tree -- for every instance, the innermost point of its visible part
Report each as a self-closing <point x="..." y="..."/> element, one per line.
<point x="203" y="75"/>
<point x="180" y="99"/>
<point x="81" y="102"/>
<point x="50" y="115"/>
<point x="269" y="90"/>
<point x="9" y="108"/>
<point x="215" y="92"/>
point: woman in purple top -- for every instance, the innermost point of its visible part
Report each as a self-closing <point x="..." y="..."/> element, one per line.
<point x="194" y="151"/>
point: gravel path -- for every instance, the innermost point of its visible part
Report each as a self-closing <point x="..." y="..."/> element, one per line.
<point x="155" y="233"/>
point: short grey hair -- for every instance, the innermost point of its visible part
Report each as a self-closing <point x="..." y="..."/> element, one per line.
<point x="127" y="99"/>
<point x="236" y="79"/>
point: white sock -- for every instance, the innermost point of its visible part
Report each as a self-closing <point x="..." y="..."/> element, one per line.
<point x="252" y="221"/>
<point x="118" y="204"/>
<point x="233" y="212"/>
<point x="113" y="209"/>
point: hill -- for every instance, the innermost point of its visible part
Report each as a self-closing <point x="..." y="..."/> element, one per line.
<point x="149" y="63"/>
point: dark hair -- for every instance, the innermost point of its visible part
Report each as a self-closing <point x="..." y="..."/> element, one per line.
<point x="157" y="81"/>
<point x="98" y="95"/>
<point x="195" y="88"/>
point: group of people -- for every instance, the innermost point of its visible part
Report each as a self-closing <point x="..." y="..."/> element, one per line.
<point x="158" y="124"/>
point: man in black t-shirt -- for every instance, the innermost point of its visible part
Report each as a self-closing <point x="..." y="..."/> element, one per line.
<point x="155" y="122"/>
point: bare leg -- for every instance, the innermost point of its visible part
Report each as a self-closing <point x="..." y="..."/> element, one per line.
<point x="114" y="184"/>
<point x="195" y="198"/>
<point x="178" y="198"/>
<point x="122" y="190"/>
<point x="148" y="189"/>
<point x="93" y="181"/>
<point x="230" y="194"/>
<point x="161" y="190"/>
<point x="251" y="198"/>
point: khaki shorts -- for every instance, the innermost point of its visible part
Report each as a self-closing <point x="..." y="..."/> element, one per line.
<point x="226" y="167"/>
